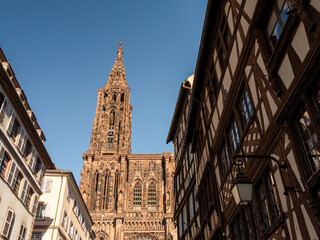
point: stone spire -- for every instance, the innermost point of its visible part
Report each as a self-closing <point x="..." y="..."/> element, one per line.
<point x="117" y="75"/>
<point x="111" y="131"/>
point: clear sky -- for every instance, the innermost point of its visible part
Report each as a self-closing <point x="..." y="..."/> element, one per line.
<point x="62" y="51"/>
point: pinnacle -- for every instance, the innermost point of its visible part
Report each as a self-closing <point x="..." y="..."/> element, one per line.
<point x="117" y="74"/>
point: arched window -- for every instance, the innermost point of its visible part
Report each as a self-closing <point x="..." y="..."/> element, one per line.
<point x="112" y="117"/>
<point x="137" y="194"/>
<point x="114" y="97"/>
<point x="105" y="199"/>
<point x="152" y="195"/>
<point x="122" y="97"/>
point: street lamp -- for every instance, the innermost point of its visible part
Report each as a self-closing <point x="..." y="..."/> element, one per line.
<point x="242" y="187"/>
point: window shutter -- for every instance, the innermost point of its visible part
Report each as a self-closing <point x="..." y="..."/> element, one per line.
<point x="8" y="223"/>
<point x="3" y="109"/>
<point x="24" y="191"/>
<point x="1" y="150"/>
<point x="42" y="170"/>
<point x="11" y="173"/>
<point x="21" y="140"/>
<point x="35" y="202"/>
<point x="25" y="200"/>
<point x="10" y="123"/>
<point x="46" y="185"/>
<point x="48" y="211"/>
<point x="67" y="223"/>
<point x="33" y="158"/>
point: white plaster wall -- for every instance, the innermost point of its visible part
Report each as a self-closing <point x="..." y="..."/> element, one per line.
<point x="22" y="215"/>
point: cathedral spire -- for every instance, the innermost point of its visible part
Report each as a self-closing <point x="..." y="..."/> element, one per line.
<point x="111" y="131"/>
<point x="118" y="75"/>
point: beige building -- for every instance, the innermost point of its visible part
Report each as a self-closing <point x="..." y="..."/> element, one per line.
<point x="23" y="158"/>
<point x="253" y="118"/>
<point x="129" y="196"/>
<point x="62" y="213"/>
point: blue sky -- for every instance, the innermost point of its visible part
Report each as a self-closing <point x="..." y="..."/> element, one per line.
<point x="63" y="51"/>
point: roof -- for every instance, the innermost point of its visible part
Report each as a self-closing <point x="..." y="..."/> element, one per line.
<point x="186" y="86"/>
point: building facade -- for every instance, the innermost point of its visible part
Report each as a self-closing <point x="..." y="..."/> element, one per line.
<point x="187" y="206"/>
<point x="62" y="213"/>
<point x="129" y="196"/>
<point x="255" y="92"/>
<point x="23" y="158"/>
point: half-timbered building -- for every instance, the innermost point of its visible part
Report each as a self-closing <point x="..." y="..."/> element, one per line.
<point x="256" y="91"/>
<point x="187" y="206"/>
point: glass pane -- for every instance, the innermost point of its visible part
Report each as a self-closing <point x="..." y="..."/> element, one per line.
<point x="311" y="141"/>
<point x="285" y="9"/>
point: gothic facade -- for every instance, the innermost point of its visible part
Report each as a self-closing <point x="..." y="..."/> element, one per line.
<point x="129" y="196"/>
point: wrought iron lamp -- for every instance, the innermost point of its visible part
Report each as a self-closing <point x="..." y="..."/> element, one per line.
<point x="242" y="187"/>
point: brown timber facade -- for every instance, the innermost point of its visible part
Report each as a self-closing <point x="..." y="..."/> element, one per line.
<point x="256" y="90"/>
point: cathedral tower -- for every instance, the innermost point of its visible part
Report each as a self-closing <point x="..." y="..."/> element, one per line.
<point x="111" y="132"/>
<point x="129" y="196"/>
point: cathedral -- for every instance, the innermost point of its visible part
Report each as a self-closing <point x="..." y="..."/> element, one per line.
<point x="129" y="196"/>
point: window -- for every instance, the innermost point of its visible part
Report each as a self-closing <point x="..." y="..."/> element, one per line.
<point x="64" y="218"/>
<point x="22" y="233"/>
<point x="13" y="126"/>
<point x="21" y="143"/>
<point x="265" y="200"/>
<point x="184" y="218"/>
<point x="3" y="106"/>
<point x="306" y="132"/>
<point x="245" y="108"/>
<point x="36" y="236"/>
<point x="116" y="183"/>
<point x="180" y="225"/>
<point x="8" y="223"/>
<point x="4" y="161"/>
<point x="191" y="207"/>
<point x="46" y="187"/>
<point x="152" y="195"/>
<point x="70" y="228"/>
<point x="277" y="21"/>
<point x="17" y="183"/>
<point x="27" y="150"/>
<point x="105" y="199"/>
<point x="35" y="203"/>
<point x="243" y="226"/>
<point x="137" y="195"/>
<point x="224" y="41"/>
<point x="75" y="208"/>
<point x="69" y="195"/>
<point x="33" y="161"/>
<point x="29" y="196"/>
<point x="12" y="174"/>
<point x="44" y="211"/>
<point x="224" y="159"/>
<point x="122" y="97"/>
<point x="310" y="139"/>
